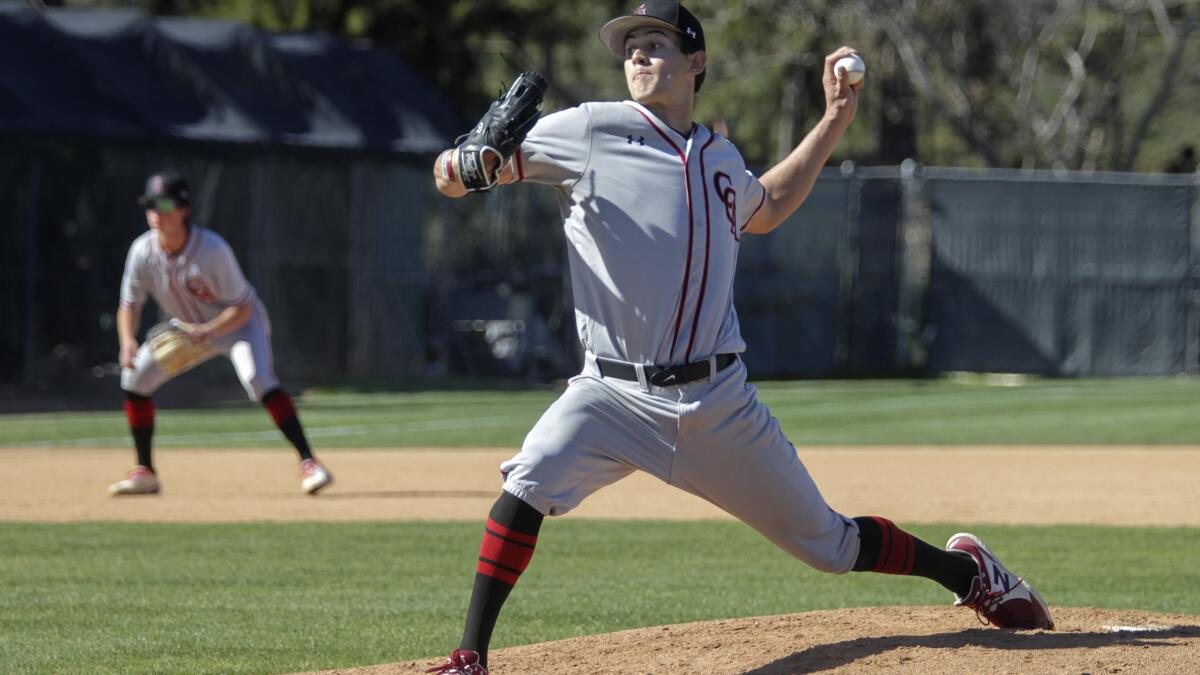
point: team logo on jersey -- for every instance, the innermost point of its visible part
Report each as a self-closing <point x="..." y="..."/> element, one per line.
<point x="640" y="11"/>
<point x="631" y="139"/>
<point x="197" y="287"/>
<point x="723" y="184"/>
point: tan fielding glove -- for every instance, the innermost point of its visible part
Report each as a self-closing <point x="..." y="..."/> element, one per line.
<point x="174" y="349"/>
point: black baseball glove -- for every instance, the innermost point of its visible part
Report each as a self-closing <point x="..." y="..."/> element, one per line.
<point x="501" y="131"/>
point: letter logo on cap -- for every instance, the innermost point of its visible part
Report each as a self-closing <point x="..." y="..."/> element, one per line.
<point x="156" y="185"/>
<point x="691" y="32"/>
<point x="640" y="11"/>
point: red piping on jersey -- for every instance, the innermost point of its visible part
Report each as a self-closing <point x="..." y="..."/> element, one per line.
<point x="687" y="191"/>
<point x="243" y="299"/>
<point x="180" y="297"/>
<point x="168" y="261"/>
<point x="762" y="200"/>
<point x="687" y="356"/>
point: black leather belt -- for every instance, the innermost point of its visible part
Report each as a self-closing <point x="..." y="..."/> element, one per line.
<point x="670" y="376"/>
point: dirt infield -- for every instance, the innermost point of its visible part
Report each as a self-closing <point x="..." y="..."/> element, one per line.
<point x="1110" y="486"/>
<point x="1023" y="485"/>
<point x="864" y="640"/>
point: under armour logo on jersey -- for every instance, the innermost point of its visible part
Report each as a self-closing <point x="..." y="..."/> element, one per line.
<point x="640" y="11"/>
<point x="723" y="184"/>
<point x="631" y="139"/>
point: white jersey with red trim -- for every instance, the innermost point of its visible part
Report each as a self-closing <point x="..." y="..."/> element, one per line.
<point x="194" y="285"/>
<point x="654" y="222"/>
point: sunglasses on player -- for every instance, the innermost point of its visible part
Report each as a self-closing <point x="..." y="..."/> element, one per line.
<point x="161" y="204"/>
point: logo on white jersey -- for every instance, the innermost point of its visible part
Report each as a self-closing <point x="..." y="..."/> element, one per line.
<point x="197" y="287"/>
<point x="728" y="196"/>
<point x="631" y="139"/>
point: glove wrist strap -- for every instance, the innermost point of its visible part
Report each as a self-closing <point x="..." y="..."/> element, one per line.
<point x="472" y="166"/>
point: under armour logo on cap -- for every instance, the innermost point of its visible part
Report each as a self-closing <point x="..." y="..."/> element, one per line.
<point x="666" y="15"/>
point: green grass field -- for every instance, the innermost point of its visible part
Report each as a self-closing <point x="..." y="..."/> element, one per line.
<point x="901" y="412"/>
<point x="253" y="598"/>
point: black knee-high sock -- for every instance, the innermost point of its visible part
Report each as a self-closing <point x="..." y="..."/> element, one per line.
<point x="139" y="411"/>
<point x="508" y="542"/>
<point x="888" y="549"/>
<point x="279" y="404"/>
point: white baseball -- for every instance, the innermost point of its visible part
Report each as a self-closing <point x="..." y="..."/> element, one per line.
<point x="855" y="68"/>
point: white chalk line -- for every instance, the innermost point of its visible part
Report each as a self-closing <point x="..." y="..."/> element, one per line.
<point x="273" y="434"/>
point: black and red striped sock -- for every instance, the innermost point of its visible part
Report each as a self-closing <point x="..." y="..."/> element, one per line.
<point x="139" y="411"/>
<point x="887" y="549"/>
<point x="508" y="542"/>
<point x="283" y="411"/>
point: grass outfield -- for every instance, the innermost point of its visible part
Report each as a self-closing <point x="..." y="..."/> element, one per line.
<point x="901" y="412"/>
<point x="253" y="598"/>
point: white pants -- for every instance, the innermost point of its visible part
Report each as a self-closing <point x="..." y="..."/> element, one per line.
<point x="712" y="438"/>
<point x="249" y="348"/>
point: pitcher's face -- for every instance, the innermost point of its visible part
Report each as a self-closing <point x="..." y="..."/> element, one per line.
<point x="656" y="71"/>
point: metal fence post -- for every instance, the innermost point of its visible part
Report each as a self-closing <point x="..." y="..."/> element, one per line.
<point x="1191" y="350"/>
<point x="848" y="265"/>
<point x="260" y="240"/>
<point x="915" y="242"/>
<point x="361" y="301"/>
<point x="31" y="249"/>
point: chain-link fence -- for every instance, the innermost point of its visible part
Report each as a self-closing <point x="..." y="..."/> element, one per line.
<point x="368" y="274"/>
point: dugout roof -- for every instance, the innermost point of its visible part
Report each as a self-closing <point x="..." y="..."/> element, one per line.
<point x="118" y="74"/>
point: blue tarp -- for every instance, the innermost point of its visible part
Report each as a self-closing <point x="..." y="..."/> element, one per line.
<point x="122" y="75"/>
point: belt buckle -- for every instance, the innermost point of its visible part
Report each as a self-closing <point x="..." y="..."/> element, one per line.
<point x="667" y="377"/>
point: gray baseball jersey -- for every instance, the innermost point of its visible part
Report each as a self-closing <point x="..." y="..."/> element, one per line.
<point x="195" y="285"/>
<point x="653" y="223"/>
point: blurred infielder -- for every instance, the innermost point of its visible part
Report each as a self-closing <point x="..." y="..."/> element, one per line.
<point x="655" y="209"/>
<point x="192" y="274"/>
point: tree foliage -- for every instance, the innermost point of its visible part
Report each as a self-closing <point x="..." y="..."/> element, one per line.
<point x="1080" y="84"/>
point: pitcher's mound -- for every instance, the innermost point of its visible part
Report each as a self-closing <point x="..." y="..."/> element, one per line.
<point x="865" y="640"/>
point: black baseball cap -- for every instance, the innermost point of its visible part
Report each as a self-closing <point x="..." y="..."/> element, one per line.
<point x="667" y="14"/>
<point x="168" y="184"/>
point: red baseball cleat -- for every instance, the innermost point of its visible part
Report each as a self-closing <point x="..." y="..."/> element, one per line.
<point x="313" y="476"/>
<point x="460" y="662"/>
<point x="141" y="480"/>
<point x="998" y="596"/>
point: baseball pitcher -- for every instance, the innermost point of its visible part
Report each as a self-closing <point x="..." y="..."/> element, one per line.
<point x="656" y="206"/>
<point x="193" y="276"/>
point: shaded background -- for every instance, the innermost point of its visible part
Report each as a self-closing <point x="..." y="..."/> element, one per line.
<point x="309" y="151"/>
